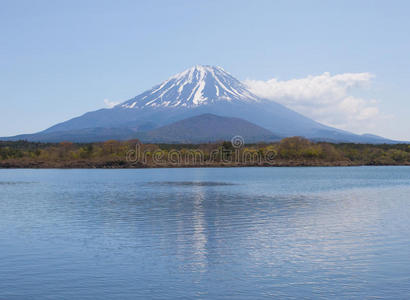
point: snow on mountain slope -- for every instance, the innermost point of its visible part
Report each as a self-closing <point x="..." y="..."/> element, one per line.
<point x="196" y="86"/>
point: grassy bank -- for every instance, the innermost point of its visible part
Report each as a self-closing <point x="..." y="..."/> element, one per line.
<point x="131" y="154"/>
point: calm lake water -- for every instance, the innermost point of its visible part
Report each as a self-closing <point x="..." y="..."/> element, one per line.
<point x="233" y="233"/>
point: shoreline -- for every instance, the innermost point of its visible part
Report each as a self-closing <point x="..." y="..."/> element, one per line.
<point x="124" y="165"/>
<point x="289" y="152"/>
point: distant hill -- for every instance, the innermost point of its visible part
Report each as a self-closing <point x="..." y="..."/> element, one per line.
<point x="208" y="128"/>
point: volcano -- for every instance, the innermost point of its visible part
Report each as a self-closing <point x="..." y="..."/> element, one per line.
<point x="198" y="91"/>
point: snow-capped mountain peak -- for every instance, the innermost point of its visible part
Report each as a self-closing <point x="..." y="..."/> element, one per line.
<point x="193" y="87"/>
<point x="198" y="104"/>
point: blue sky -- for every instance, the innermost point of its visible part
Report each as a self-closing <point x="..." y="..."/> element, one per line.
<point x="345" y="63"/>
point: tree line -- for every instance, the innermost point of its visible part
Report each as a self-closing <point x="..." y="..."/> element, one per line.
<point x="294" y="151"/>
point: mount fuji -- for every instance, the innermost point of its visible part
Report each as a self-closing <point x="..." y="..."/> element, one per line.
<point x="199" y="99"/>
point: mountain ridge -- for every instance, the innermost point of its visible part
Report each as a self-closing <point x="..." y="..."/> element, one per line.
<point x="196" y="91"/>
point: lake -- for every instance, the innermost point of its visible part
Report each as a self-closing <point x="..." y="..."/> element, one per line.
<point x="205" y="233"/>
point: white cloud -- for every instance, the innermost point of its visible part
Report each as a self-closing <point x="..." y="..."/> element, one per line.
<point x="325" y="98"/>
<point x="110" y="104"/>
